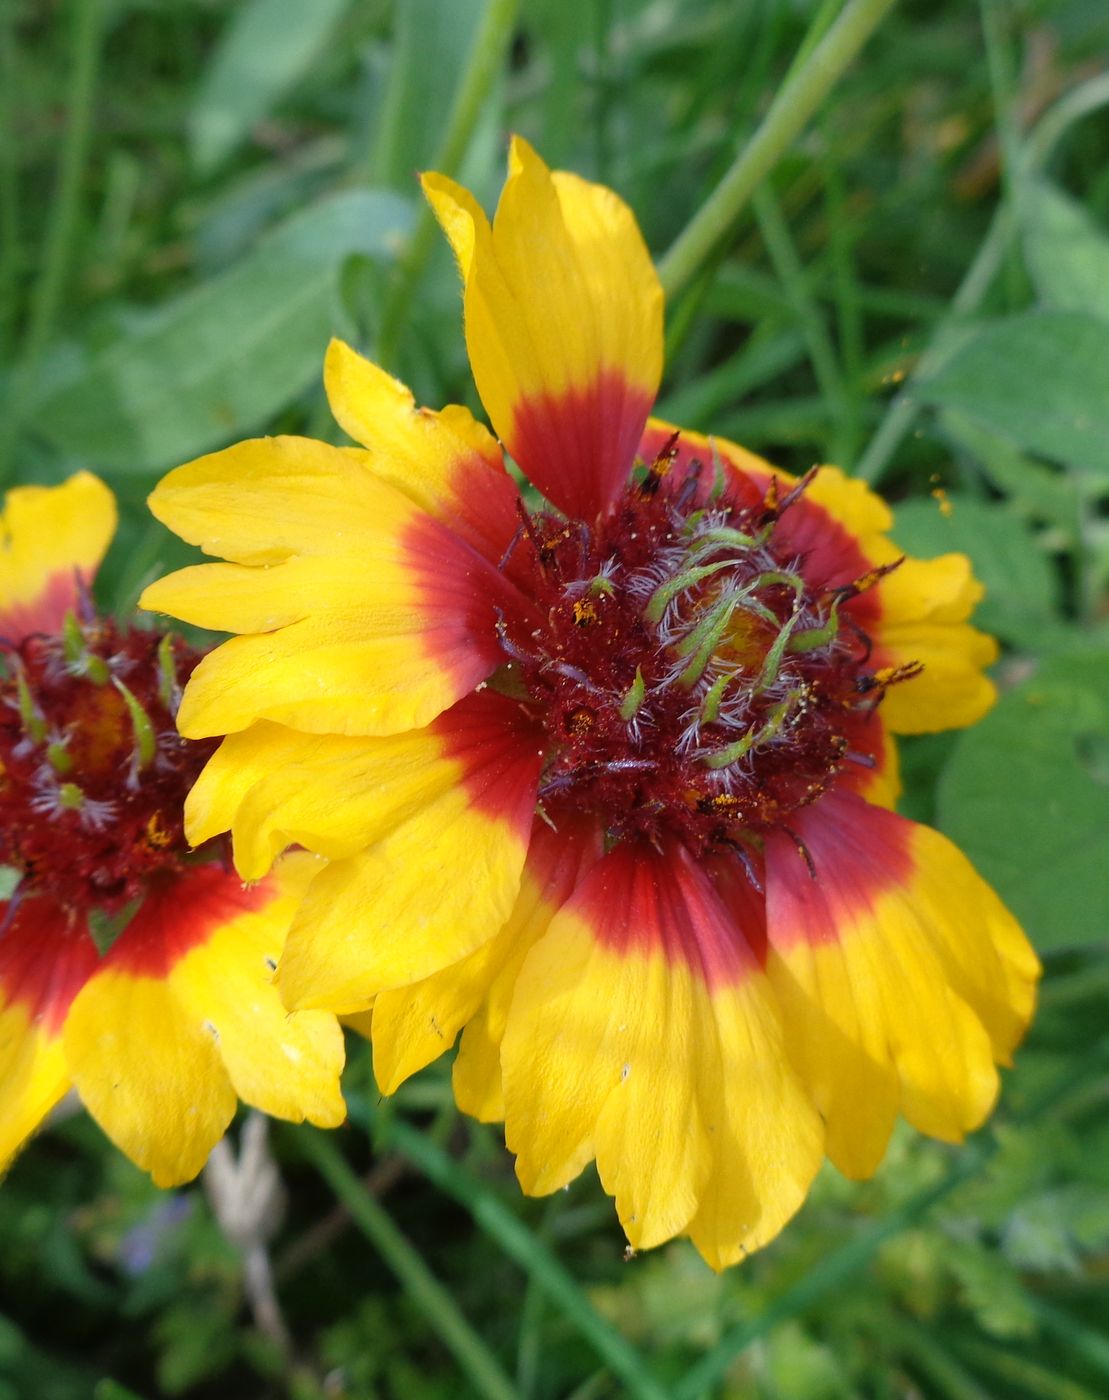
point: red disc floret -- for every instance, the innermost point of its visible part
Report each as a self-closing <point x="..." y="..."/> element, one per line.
<point x="93" y="774"/>
<point x="691" y="680"/>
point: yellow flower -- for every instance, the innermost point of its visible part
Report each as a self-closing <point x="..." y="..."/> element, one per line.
<point x="607" y="785"/>
<point x="180" y="1016"/>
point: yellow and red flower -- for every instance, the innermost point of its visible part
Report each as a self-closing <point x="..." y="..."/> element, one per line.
<point x="178" y="1018"/>
<point x="607" y="785"/>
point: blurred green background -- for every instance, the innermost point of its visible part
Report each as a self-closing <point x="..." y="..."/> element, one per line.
<point x="193" y="195"/>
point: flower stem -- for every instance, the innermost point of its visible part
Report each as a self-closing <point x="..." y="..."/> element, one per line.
<point x="9" y="176"/>
<point x="798" y="99"/>
<point x="903" y="408"/>
<point x="425" y="1291"/>
<point x="1088" y="97"/>
<point x="489" y="47"/>
<point x="88" y="31"/>
<point x="528" y="1251"/>
<point x="837" y="1267"/>
<point x="822" y="354"/>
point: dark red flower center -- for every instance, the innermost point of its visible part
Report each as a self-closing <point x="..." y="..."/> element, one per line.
<point x="691" y="680"/>
<point x="93" y="774"/>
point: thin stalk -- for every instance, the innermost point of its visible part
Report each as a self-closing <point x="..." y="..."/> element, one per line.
<point x="1008" y="135"/>
<point x="822" y="355"/>
<point x="1088" y="97"/>
<point x="602" y="81"/>
<point x="795" y="103"/>
<point x="9" y="174"/>
<point x="928" y="1356"/>
<point x="1081" y="1341"/>
<point x="849" y="311"/>
<point x="833" y="1271"/>
<point x="849" y="1259"/>
<point x="903" y="407"/>
<point x="1018" y="1372"/>
<point x="532" y="1255"/>
<point x="486" y="56"/>
<point x="1080" y="102"/>
<point x="88" y="29"/>
<point x="423" y="1288"/>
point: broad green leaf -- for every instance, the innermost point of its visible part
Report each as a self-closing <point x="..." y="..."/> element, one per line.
<point x="107" y="1389"/>
<point x="221" y="359"/>
<point x="1067" y="252"/>
<point x="1039" y="379"/>
<point x="432" y="40"/>
<point x="1035" y="488"/>
<point x="1021" y="586"/>
<point x="768" y="354"/>
<point x="266" y="49"/>
<point x="1026" y="795"/>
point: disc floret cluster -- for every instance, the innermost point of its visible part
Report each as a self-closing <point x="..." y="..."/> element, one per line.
<point x="689" y="678"/>
<point x="94" y="771"/>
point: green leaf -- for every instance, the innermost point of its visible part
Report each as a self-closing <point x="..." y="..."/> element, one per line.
<point x="989" y="1288"/>
<point x="1026" y="795"/>
<point x="432" y="40"/>
<point x="1021" y="586"/>
<point x="1067" y="252"/>
<point x="1039" y="379"/>
<point x="1035" y="488"/>
<point x="218" y="361"/>
<point x="266" y="49"/>
<point x="108" y="1389"/>
<point x="196" y="1338"/>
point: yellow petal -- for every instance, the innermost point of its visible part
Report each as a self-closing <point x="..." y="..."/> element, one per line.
<point x="924" y="607"/>
<point x="768" y="1142"/>
<point x="268" y="498"/>
<point x="446" y="462"/>
<point x="45" y="958"/>
<point x="182" y="1013"/>
<point x="642" y="1033"/>
<point x="951" y="691"/>
<point x="589" y="1028"/>
<point x="985" y="954"/>
<point x="381" y="620"/>
<point x="52" y="539"/>
<point x="242" y="760"/>
<point x="883" y="962"/>
<point x="150" y="1074"/>
<point x="287" y="1065"/>
<point x="413" y="1025"/>
<point x="275" y="787"/>
<point x="563" y="324"/>
<point x="439" y="883"/>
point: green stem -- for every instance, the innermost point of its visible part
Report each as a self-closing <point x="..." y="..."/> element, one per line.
<point x="50" y="284"/>
<point x="1019" y="1373"/>
<point x="486" y="56"/>
<point x="797" y="100"/>
<point x="1008" y="136"/>
<point x="1089" y="97"/>
<point x="602" y="146"/>
<point x="9" y="175"/>
<point x="849" y="313"/>
<point x="836" y="1268"/>
<point x="832" y="1271"/>
<point x="822" y="355"/>
<point x="927" y="1354"/>
<point x="425" y="1291"/>
<point x="904" y="408"/>
<point x="681" y="317"/>
<point x="1081" y="1342"/>
<point x="530" y="1253"/>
